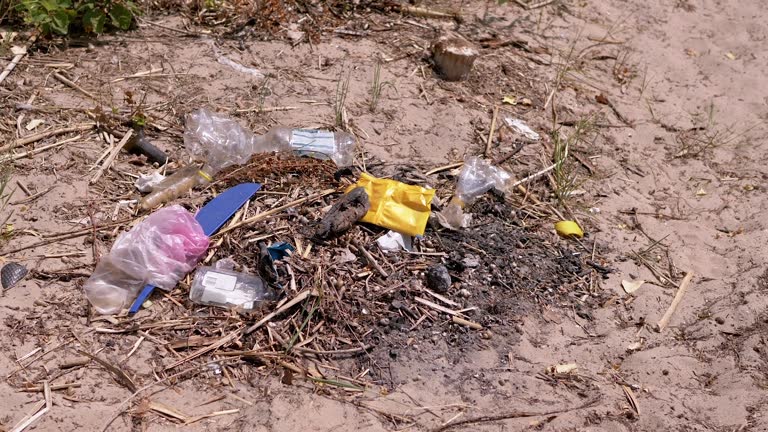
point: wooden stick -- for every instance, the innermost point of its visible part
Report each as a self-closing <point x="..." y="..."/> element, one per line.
<point x="371" y="260"/>
<point x="444" y="168"/>
<point x="67" y="236"/>
<point x="42" y="135"/>
<point x="533" y="176"/>
<point x="467" y="323"/>
<point x="39" y="150"/>
<point x="268" y="109"/>
<point x="111" y="158"/>
<point x="72" y="85"/>
<point x="336" y="352"/>
<point x="213" y="414"/>
<point x="35" y="389"/>
<point x="296" y="300"/>
<point x="436" y="306"/>
<point x="664" y="321"/>
<point x="48" y="404"/>
<point x="33" y="197"/>
<point x="490" y="133"/>
<point x="266" y="214"/>
<point x="16" y="59"/>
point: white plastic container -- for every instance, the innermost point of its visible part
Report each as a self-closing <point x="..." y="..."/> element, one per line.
<point x="230" y="289"/>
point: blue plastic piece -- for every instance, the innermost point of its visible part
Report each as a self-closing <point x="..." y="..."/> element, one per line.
<point x="211" y="217"/>
<point x="280" y="250"/>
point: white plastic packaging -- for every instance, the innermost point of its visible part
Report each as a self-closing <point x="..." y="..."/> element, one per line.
<point x="160" y="250"/>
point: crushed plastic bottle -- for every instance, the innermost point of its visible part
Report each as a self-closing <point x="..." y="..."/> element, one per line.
<point x="477" y="177"/>
<point x="220" y="141"/>
<point x="159" y="251"/>
<point x="221" y="286"/>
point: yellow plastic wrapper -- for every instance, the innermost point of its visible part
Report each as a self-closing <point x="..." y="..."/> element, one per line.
<point x="395" y="205"/>
<point x="569" y="229"/>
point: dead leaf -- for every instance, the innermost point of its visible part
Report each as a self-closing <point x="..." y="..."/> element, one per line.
<point x="635" y="346"/>
<point x="602" y="99"/>
<point x="33" y="124"/>
<point x="631" y="286"/>
<point x="730" y="55"/>
<point x="562" y="369"/>
<point x="511" y="100"/>
<point x="701" y="192"/>
<point x="287" y="377"/>
<point x="631" y="398"/>
<point x="18" y="50"/>
<point x="526" y="102"/>
<point x="691" y="52"/>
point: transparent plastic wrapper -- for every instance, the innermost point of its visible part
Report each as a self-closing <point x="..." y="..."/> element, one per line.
<point x="477" y="177"/>
<point x="159" y="251"/>
<point x="221" y="286"/>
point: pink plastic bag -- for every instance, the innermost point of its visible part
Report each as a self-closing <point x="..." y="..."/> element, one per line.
<point x="160" y="250"/>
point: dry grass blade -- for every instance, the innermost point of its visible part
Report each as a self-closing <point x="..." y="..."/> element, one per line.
<point x="121" y="377"/>
<point x="296" y="300"/>
<point x="212" y="347"/>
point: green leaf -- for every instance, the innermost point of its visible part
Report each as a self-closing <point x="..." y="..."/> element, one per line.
<point x="50" y="5"/>
<point x="60" y="22"/>
<point x="94" y="20"/>
<point x="121" y="16"/>
<point x="501" y="2"/>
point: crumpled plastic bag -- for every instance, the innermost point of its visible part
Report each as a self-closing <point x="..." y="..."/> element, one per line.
<point x="395" y="205"/>
<point x="477" y="177"/>
<point x="160" y="250"/>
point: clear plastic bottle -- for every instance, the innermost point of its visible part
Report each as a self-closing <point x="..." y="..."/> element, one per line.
<point x="221" y="141"/>
<point x="175" y="186"/>
<point x="216" y="286"/>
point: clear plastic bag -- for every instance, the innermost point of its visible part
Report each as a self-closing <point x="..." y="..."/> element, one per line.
<point x="477" y="177"/>
<point x="160" y="250"/>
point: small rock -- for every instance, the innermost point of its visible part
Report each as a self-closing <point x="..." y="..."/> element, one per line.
<point x="471" y="261"/>
<point x="464" y="293"/>
<point x="397" y="304"/>
<point x="438" y="279"/>
<point x="384" y="321"/>
<point x="486" y="334"/>
<point x="720" y="320"/>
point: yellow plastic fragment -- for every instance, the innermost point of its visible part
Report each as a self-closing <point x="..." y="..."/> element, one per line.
<point x="569" y="229"/>
<point x="395" y="205"/>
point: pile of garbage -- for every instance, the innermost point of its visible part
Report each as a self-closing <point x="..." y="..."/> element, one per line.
<point x="280" y="268"/>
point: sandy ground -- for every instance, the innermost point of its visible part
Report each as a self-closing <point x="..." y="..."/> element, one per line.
<point x="683" y="187"/>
